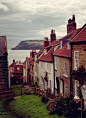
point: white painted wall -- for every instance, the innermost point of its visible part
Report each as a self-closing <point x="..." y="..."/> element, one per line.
<point x="43" y="67"/>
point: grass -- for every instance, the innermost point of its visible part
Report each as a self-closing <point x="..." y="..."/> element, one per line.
<point x="30" y="106"/>
<point x="3" y="112"/>
<point x="17" y="89"/>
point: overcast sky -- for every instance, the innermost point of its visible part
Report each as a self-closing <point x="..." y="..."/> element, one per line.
<point x="34" y="19"/>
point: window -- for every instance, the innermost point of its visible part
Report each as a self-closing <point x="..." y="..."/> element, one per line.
<point x="61" y="87"/>
<point x="41" y="80"/>
<point x="68" y="45"/>
<point x="66" y="89"/>
<point x="76" y="89"/>
<point x="48" y="67"/>
<point x="50" y="84"/>
<point x="17" y="68"/>
<point x="55" y="63"/>
<point x="61" y="44"/>
<point x="66" y="68"/>
<point x="42" y="65"/>
<point x="76" y="59"/>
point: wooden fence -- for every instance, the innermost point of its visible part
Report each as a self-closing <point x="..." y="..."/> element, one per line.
<point x="6" y="94"/>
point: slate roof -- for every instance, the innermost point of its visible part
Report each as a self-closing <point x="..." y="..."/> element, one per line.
<point x="81" y="36"/>
<point x="2" y="45"/>
<point x="64" y="52"/>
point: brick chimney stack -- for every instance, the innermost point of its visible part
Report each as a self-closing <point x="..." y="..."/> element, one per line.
<point x="52" y="36"/>
<point x="71" y="24"/>
<point x="46" y="42"/>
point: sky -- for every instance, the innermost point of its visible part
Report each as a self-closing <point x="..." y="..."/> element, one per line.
<point x="34" y="19"/>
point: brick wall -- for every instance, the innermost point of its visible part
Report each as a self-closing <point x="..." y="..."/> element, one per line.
<point x="82" y="54"/>
<point x="82" y="59"/>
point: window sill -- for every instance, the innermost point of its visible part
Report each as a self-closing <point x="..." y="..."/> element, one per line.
<point x="65" y="75"/>
<point x="76" y="97"/>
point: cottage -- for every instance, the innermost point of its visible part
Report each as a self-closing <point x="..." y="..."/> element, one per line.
<point x="78" y="60"/>
<point x="46" y="70"/>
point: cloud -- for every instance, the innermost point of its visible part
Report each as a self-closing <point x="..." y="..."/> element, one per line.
<point x="34" y="19"/>
<point x="4" y="7"/>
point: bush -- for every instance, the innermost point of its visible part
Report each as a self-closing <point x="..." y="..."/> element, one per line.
<point x="44" y="99"/>
<point x="63" y="106"/>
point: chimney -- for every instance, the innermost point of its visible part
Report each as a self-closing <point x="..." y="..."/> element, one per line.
<point x="71" y="24"/>
<point x="52" y="36"/>
<point x="13" y="60"/>
<point x="46" y="42"/>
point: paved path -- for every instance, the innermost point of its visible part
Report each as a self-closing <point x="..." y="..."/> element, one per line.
<point x="27" y="87"/>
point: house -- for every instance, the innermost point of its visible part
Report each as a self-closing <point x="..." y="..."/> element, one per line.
<point x="78" y="60"/>
<point x="36" y="66"/>
<point x="46" y="72"/>
<point x="3" y="64"/>
<point x="16" y="72"/>
<point x="31" y="68"/>
<point x="62" y="60"/>
<point x="25" y="71"/>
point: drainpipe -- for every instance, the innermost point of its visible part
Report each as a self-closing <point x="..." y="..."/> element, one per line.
<point x="71" y="91"/>
<point x="54" y="71"/>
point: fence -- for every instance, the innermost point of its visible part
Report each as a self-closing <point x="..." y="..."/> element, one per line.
<point x="6" y="94"/>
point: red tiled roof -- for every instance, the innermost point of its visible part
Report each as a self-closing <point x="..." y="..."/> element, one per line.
<point x="54" y="43"/>
<point x="64" y="52"/>
<point x="32" y="63"/>
<point x="81" y="36"/>
<point x="30" y="59"/>
<point x="12" y="65"/>
<point x="47" y="57"/>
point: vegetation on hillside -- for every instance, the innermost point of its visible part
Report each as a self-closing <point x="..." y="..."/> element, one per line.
<point x="30" y="45"/>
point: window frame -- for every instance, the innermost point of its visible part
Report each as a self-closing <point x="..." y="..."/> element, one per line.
<point x="76" y="89"/>
<point x="65" y="68"/>
<point x="75" y="67"/>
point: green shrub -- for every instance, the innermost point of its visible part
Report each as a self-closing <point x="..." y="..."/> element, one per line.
<point x="44" y="99"/>
<point x="63" y="106"/>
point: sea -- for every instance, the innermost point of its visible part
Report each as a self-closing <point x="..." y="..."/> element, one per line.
<point x="18" y="55"/>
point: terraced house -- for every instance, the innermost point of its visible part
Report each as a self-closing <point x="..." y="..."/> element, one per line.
<point x="78" y="61"/>
<point x="46" y="70"/>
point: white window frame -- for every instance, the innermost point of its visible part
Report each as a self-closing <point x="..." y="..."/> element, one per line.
<point x="18" y="68"/>
<point x="65" y="68"/>
<point x="68" y="45"/>
<point x="66" y="89"/>
<point x="75" y="67"/>
<point x="61" y="87"/>
<point x="50" y="84"/>
<point x="61" y="44"/>
<point x="41" y="81"/>
<point x="76" y="89"/>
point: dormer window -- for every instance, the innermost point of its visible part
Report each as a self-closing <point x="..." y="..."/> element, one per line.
<point x="61" y="44"/>
<point x="45" y="51"/>
<point x="68" y="45"/>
